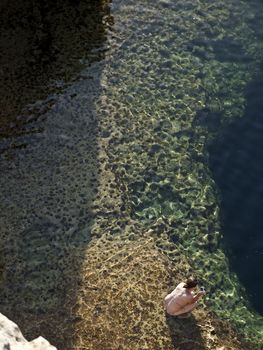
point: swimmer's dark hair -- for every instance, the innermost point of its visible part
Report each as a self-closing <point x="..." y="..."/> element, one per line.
<point x="191" y="282"/>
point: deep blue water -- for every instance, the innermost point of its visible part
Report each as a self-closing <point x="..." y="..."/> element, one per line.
<point x="236" y="160"/>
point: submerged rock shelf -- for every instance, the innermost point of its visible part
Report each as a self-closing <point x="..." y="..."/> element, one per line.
<point x="168" y="100"/>
<point x="114" y="200"/>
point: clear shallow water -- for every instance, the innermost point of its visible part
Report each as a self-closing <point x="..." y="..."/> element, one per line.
<point x="172" y="74"/>
<point x="199" y="87"/>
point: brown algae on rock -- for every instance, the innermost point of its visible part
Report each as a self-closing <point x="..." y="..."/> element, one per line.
<point x="120" y="302"/>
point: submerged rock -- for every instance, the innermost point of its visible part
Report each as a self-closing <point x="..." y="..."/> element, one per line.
<point x="12" y="338"/>
<point x="120" y="299"/>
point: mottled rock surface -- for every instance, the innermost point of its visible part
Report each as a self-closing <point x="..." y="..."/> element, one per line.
<point x="11" y="338"/>
<point x="120" y="304"/>
<point x="115" y="148"/>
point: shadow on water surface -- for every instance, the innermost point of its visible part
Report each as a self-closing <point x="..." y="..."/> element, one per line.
<point x="236" y="161"/>
<point x="48" y="185"/>
<point x="45" y="45"/>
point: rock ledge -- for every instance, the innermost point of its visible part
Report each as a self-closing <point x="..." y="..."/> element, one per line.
<point x="11" y="338"/>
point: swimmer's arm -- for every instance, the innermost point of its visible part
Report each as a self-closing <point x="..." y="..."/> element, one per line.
<point x="198" y="296"/>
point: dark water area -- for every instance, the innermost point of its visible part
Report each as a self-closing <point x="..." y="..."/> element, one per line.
<point x="236" y="161"/>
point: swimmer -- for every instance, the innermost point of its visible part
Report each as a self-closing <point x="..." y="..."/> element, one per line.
<point x="182" y="300"/>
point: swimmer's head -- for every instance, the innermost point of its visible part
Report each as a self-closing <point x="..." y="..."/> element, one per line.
<point x="191" y="282"/>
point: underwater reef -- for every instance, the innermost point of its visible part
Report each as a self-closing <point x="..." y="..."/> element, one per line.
<point x="114" y="200"/>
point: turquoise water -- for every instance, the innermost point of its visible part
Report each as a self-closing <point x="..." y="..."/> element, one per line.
<point x="155" y="85"/>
